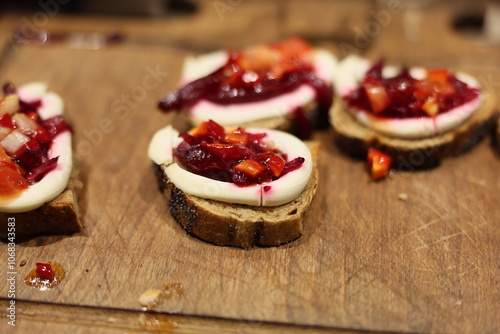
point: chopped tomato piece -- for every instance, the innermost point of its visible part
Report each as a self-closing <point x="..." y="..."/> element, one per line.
<point x="250" y="167"/>
<point x="379" y="163"/>
<point x="377" y="96"/>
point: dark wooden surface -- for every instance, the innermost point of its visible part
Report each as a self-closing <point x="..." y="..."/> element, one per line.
<point x="418" y="252"/>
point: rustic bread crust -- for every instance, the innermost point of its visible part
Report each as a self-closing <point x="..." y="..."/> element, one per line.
<point x="59" y="216"/>
<point x="355" y="139"/>
<point x="238" y="225"/>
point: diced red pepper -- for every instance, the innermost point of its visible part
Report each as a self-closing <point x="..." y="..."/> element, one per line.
<point x="276" y="164"/>
<point x="236" y="137"/>
<point x="44" y="270"/>
<point x="379" y="163"/>
<point x="250" y="167"/>
<point x="209" y="128"/>
<point x="229" y="152"/>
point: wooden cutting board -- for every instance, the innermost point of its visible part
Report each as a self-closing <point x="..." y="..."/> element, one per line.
<point x="417" y="252"/>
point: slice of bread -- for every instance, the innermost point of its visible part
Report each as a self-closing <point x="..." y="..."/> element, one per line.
<point x="410" y="154"/>
<point x="59" y="216"/>
<point x="238" y="225"/>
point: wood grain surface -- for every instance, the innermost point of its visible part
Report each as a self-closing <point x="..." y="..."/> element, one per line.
<point x="418" y="252"/>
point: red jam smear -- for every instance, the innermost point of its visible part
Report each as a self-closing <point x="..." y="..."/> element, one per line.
<point x="256" y="74"/>
<point x="236" y="156"/>
<point x="30" y="162"/>
<point x="403" y="96"/>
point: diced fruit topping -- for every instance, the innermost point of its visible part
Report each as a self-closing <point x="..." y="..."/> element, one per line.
<point x="254" y="74"/>
<point x="379" y="163"/>
<point x="236" y="156"/>
<point x="403" y="96"/>
<point x="25" y="140"/>
<point x="377" y="95"/>
<point x="250" y="167"/>
<point x="9" y="104"/>
<point x="44" y="271"/>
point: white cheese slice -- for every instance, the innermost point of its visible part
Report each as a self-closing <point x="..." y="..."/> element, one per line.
<point x="274" y="193"/>
<point x="325" y="65"/>
<point x="55" y="181"/>
<point x="351" y="72"/>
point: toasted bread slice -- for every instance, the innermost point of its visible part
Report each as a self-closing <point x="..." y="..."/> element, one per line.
<point x="239" y="225"/>
<point x="355" y="138"/>
<point x="59" y="216"/>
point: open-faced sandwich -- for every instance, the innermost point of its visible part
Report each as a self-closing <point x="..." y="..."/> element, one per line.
<point x="236" y="186"/>
<point x="35" y="163"/>
<point x="415" y="116"/>
<point x="286" y="86"/>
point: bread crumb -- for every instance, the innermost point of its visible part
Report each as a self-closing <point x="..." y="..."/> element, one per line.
<point x="403" y="197"/>
<point x="150" y="298"/>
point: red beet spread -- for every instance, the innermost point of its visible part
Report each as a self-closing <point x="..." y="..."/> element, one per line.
<point x="30" y="162"/>
<point x="256" y="74"/>
<point x="404" y="96"/>
<point x="237" y="156"/>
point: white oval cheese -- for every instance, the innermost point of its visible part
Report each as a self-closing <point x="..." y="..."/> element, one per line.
<point x="274" y="193"/>
<point x="55" y="181"/>
<point x="351" y="72"/>
<point x="232" y="114"/>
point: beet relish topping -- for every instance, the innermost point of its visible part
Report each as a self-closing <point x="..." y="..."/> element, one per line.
<point x="404" y="96"/>
<point x="25" y="141"/>
<point x="255" y="74"/>
<point x="236" y="156"/>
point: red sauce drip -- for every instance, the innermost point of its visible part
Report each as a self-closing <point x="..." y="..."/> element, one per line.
<point x="407" y="96"/>
<point x="238" y="156"/>
<point x="239" y="82"/>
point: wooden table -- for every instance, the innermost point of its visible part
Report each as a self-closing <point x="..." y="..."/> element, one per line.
<point x="418" y="252"/>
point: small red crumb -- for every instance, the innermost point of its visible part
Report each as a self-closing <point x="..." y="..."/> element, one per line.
<point x="267" y="188"/>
